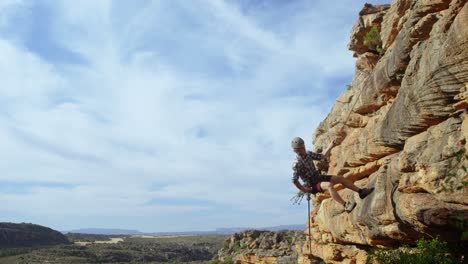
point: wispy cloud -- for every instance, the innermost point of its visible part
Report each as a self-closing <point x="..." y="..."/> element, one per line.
<point x="165" y="110"/>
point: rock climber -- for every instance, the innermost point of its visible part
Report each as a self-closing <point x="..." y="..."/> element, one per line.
<point x="313" y="181"/>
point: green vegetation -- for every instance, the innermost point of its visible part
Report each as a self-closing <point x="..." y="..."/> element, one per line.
<point x="226" y="244"/>
<point x="289" y="239"/>
<point x="373" y="41"/>
<point x="6" y="252"/>
<point x="349" y="87"/>
<point x="227" y="260"/>
<point x="237" y="247"/>
<point x="89" y="237"/>
<point x="426" y="251"/>
<point x="179" y="249"/>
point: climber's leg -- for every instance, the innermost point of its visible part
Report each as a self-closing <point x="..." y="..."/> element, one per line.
<point x="350" y="185"/>
<point x="332" y="180"/>
<point x="329" y="186"/>
<point x="348" y="206"/>
<point x="345" y="182"/>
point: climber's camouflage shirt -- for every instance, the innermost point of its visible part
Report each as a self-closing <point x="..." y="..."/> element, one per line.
<point x="304" y="168"/>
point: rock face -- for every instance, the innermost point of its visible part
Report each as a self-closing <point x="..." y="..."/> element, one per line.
<point x="406" y="134"/>
<point x="29" y="235"/>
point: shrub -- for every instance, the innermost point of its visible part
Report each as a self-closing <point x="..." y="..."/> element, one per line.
<point x="237" y="247"/>
<point x="14" y="251"/>
<point x="226" y="244"/>
<point x="372" y="40"/>
<point x="227" y="260"/>
<point x="426" y="251"/>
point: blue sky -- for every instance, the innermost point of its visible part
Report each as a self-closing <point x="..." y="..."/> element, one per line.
<point x="163" y="115"/>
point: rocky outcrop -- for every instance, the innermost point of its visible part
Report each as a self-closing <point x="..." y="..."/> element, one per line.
<point x="265" y="247"/>
<point x="29" y="235"/>
<point x="406" y="133"/>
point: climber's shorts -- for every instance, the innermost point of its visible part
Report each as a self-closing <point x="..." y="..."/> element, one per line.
<point x="316" y="184"/>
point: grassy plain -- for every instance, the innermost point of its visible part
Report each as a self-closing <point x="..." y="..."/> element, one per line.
<point x="120" y="249"/>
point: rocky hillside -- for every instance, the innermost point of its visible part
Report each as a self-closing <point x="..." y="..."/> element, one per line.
<point x="29" y="235"/>
<point x="406" y="135"/>
<point x="254" y="246"/>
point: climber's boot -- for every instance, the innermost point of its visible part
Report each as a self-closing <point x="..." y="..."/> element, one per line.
<point x="364" y="192"/>
<point x="349" y="206"/>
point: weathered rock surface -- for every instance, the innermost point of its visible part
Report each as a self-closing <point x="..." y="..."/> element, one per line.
<point x="406" y="135"/>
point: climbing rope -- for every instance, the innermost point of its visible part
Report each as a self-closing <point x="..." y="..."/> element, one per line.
<point x="352" y="108"/>
<point x="308" y="216"/>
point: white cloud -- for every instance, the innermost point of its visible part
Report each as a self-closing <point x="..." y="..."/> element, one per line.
<point x="189" y="100"/>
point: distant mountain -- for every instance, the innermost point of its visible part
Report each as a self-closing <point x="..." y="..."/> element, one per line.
<point x="218" y="231"/>
<point x="286" y="227"/>
<point x="229" y="231"/>
<point x="271" y="228"/>
<point x="29" y="235"/>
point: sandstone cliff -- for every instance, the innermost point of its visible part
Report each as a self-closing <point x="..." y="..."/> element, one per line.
<point x="406" y="134"/>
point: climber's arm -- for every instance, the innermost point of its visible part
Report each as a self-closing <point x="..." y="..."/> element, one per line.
<point x="301" y="187"/>
<point x="295" y="180"/>
<point x="329" y="148"/>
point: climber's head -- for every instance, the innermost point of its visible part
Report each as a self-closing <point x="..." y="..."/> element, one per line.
<point x="298" y="146"/>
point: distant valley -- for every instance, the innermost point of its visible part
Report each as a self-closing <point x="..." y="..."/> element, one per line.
<point x="218" y="231"/>
<point x="26" y="243"/>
